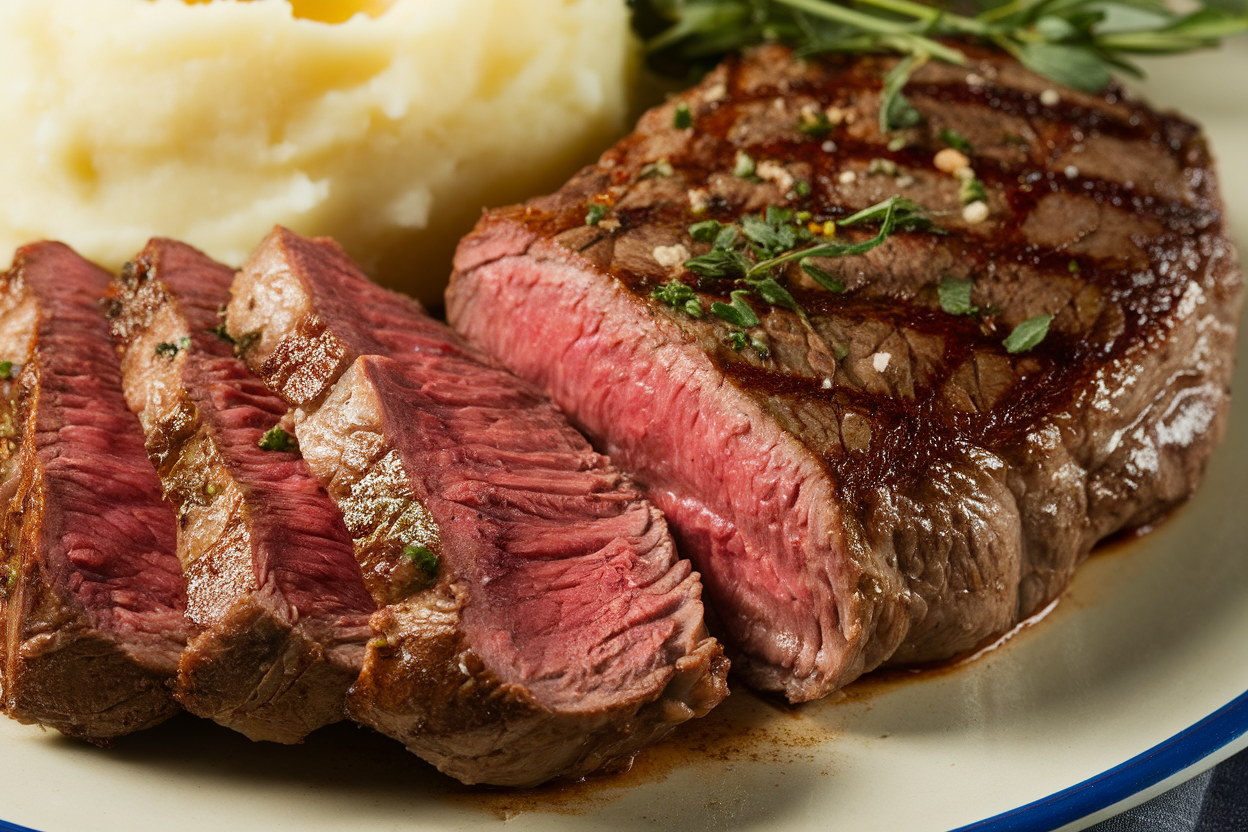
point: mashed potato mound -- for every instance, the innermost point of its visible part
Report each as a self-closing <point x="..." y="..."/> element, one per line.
<point x="387" y="124"/>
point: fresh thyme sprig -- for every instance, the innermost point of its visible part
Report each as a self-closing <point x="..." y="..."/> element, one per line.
<point x="1073" y="42"/>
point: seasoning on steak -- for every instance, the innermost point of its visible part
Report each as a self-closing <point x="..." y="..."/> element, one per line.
<point x="272" y="583"/>
<point x="537" y="622"/>
<point x="878" y="478"/>
<point x="92" y="597"/>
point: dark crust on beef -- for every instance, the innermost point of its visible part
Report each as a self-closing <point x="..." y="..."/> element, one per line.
<point x="968" y="483"/>
<point x="488" y="672"/>
<point x="93" y="611"/>
<point x="272" y="582"/>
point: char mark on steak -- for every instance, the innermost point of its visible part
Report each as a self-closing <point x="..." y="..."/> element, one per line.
<point x="537" y="621"/>
<point x="92" y="600"/>
<point x="877" y="478"/>
<point x="272" y="584"/>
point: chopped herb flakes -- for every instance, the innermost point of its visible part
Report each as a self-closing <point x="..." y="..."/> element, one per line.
<point x="661" y="168"/>
<point x="245" y="342"/>
<point x="955" y="141"/>
<point x="955" y="296"/>
<point x="1073" y="268"/>
<point x="212" y="489"/>
<point x="971" y="190"/>
<point x="744" y="166"/>
<point x="595" y="214"/>
<point x="424" y="559"/>
<point x="679" y="296"/>
<point x="220" y="332"/>
<point x="815" y="123"/>
<point x="6" y="369"/>
<point x="170" y="351"/>
<point x="720" y="263"/>
<point x="682" y="118"/>
<point x="1028" y="334"/>
<point x="276" y="439"/>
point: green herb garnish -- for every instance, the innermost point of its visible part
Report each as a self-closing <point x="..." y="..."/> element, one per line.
<point x="220" y="332"/>
<point x="661" y="168"/>
<point x="955" y="141"/>
<point x="6" y="369"/>
<point x="801" y="188"/>
<point x="743" y="167"/>
<point x="1028" y="334"/>
<point x="971" y="190"/>
<point x="679" y="296"/>
<point x="896" y="111"/>
<point x="1072" y="42"/>
<point x="720" y="263"/>
<point x="423" y="558"/>
<point x="828" y="281"/>
<point x="245" y="342"/>
<point x="170" y="351"/>
<point x="815" y="124"/>
<point x="705" y="232"/>
<point x="955" y="296"/>
<point x="276" y="439"/>
<point x="682" y="118"/>
<point x="595" y="213"/>
<point x="738" y="313"/>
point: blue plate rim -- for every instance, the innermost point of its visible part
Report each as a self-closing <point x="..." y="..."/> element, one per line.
<point x="1120" y="783"/>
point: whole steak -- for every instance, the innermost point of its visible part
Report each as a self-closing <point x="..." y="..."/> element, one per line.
<point x="891" y="451"/>
<point x="272" y="584"/>
<point x="535" y="619"/>
<point x="92" y="597"/>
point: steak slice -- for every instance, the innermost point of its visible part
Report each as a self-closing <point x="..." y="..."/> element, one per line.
<point x="877" y="477"/>
<point x="537" y="622"/>
<point x="272" y="582"/>
<point x="93" y="598"/>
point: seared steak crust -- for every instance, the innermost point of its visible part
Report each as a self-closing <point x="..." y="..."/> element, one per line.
<point x="272" y="582"/>
<point x="537" y="622"/>
<point x="882" y="481"/>
<point x="93" y="597"/>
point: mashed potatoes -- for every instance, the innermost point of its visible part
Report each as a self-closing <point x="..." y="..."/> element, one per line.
<point x="385" y="123"/>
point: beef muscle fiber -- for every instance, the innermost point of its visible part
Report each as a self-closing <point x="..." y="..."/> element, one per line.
<point x="93" y="596"/>
<point x="272" y="582"/>
<point x="878" y="477"/>
<point x="537" y="622"/>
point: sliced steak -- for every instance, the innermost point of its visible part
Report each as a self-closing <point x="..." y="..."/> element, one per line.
<point x="874" y="478"/>
<point x="272" y="582"/>
<point x="93" y="597"/>
<point x="537" y="622"/>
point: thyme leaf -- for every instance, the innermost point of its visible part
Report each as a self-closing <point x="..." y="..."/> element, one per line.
<point x="276" y="439"/>
<point x="955" y="296"/>
<point x="738" y="313"/>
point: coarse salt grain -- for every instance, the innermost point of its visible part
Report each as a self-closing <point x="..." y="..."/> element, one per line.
<point x="828" y="146"/>
<point x="880" y="361"/>
<point x="668" y="256"/>
<point x="699" y="199"/>
<point x="847" y="177"/>
<point x="1071" y="171"/>
<point x="774" y="172"/>
<point x="976" y="212"/>
<point x="716" y="92"/>
<point x="1050" y="98"/>
<point x="827" y="384"/>
<point x="949" y="160"/>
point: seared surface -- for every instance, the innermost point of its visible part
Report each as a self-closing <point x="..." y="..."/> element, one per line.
<point x="272" y="583"/>
<point x="93" y="598"/>
<point x="883" y="481"/>
<point x="538" y="623"/>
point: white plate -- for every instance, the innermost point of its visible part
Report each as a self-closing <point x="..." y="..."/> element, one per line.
<point x="1104" y="703"/>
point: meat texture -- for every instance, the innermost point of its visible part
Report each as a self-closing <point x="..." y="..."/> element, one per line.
<point x="537" y="622"/>
<point x="272" y="583"/>
<point x="93" y="601"/>
<point x="870" y="474"/>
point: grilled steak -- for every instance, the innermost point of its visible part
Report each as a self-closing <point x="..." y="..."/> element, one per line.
<point x="899" y="470"/>
<point x="93" y="597"/>
<point x="272" y="582"/>
<point x="537" y="622"/>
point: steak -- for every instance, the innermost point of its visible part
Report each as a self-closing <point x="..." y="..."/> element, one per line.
<point x="271" y="579"/>
<point x="93" y="597"/>
<point x="896" y="463"/>
<point x="536" y="621"/>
